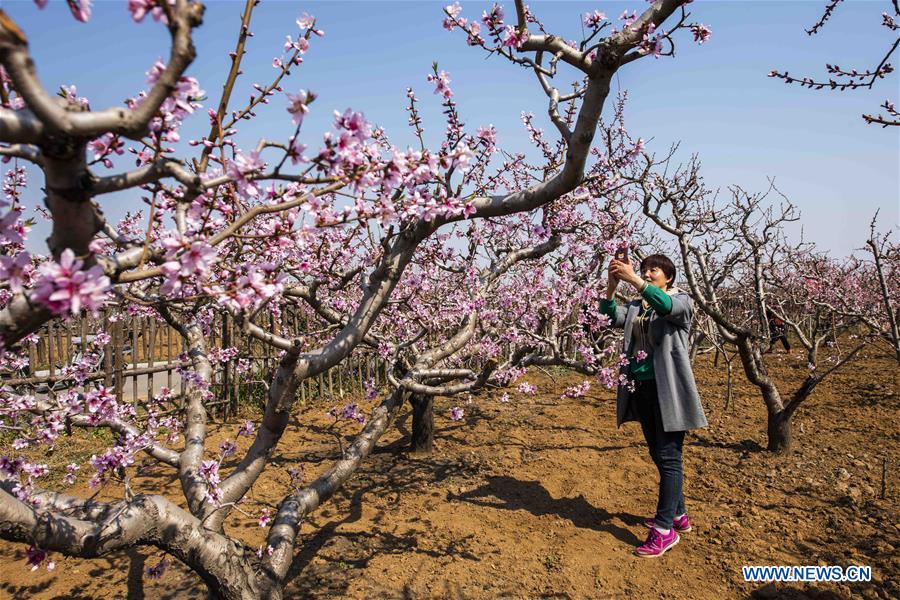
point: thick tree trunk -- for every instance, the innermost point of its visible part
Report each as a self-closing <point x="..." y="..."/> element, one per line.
<point x="225" y="565"/>
<point x="779" y="432"/>
<point x="779" y="420"/>
<point x="812" y="354"/>
<point x="422" y="438"/>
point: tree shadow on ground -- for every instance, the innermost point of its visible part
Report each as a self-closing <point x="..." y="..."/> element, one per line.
<point x="179" y="583"/>
<point x="512" y="494"/>
<point x="536" y="448"/>
<point x="24" y="591"/>
<point x="749" y="446"/>
<point x="331" y="557"/>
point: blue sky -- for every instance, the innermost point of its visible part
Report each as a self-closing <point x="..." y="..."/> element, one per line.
<point x="715" y="99"/>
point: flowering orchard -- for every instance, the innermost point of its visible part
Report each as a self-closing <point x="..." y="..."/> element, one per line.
<point x="420" y="254"/>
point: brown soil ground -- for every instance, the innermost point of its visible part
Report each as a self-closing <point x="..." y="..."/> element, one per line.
<point x="542" y="497"/>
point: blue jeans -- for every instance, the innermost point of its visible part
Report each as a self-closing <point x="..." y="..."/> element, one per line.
<point x="665" y="450"/>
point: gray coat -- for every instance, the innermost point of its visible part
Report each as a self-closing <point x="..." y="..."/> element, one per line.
<point x="679" y="401"/>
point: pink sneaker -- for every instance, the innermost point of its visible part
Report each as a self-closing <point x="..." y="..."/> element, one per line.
<point x="681" y="524"/>
<point x="657" y="543"/>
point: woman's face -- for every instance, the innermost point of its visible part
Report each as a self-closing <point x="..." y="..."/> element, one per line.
<point x="656" y="276"/>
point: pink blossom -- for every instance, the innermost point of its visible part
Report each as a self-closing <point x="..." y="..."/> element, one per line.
<point x="453" y="10"/>
<point x="577" y="391"/>
<point x="239" y="168"/>
<point x="256" y="284"/>
<point x="264" y="517"/>
<point x="116" y="458"/>
<point x="474" y="38"/>
<point x="488" y="134"/>
<point x="701" y="32"/>
<point x="527" y="388"/>
<point x="140" y="8"/>
<point x="12" y="228"/>
<point x="354" y="123"/>
<point x="308" y="22"/>
<point x="70" y="475"/>
<point x="156" y="571"/>
<point x="349" y="412"/>
<point x="104" y="145"/>
<point x="81" y="9"/>
<point x="186" y="262"/>
<point x="296" y="475"/>
<point x="513" y="37"/>
<point x="209" y="472"/>
<point x="198" y="259"/>
<point x="227" y="448"/>
<point x="593" y="19"/>
<point x="456" y="413"/>
<point x="16" y="271"/>
<point x="178" y="105"/>
<point x="299" y="104"/>
<point x="14" y="181"/>
<point x="494" y="18"/>
<point x="65" y="288"/>
<point x="462" y="156"/>
<point x="34" y="556"/>
<point x="628" y="19"/>
<point x="301" y="45"/>
<point x="651" y="44"/>
<point x="296" y="152"/>
<point x="442" y="84"/>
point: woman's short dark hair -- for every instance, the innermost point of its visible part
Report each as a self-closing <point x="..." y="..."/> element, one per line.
<point x="662" y="262"/>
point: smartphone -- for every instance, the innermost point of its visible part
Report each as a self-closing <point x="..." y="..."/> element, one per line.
<point x="622" y="255"/>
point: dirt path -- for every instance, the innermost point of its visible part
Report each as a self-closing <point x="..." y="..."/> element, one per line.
<point x="542" y="497"/>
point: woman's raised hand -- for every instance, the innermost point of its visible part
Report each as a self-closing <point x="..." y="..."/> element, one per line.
<point x="623" y="271"/>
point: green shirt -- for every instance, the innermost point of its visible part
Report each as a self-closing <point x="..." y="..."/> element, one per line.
<point x="660" y="302"/>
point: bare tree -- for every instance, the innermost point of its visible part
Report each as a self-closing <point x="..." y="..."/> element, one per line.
<point x="729" y="254"/>
<point x="853" y="79"/>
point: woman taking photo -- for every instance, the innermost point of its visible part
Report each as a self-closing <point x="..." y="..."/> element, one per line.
<point x="664" y="399"/>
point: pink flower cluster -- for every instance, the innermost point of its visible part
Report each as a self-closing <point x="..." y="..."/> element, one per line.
<point x="16" y="271"/>
<point x="64" y="288"/>
<point x="593" y="19"/>
<point x="349" y="412"/>
<point x="117" y="458"/>
<point x="81" y="9"/>
<point x="188" y="262"/>
<point x="527" y="388"/>
<point x="441" y="82"/>
<point x="577" y="391"/>
<point x="141" y="8"/>
<point x="209" y="472"/>
<point x="299" y="104"/>
<point x="253" y="285"/>
<point x="701" y="32"/>
<point x="222" y="355"/>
